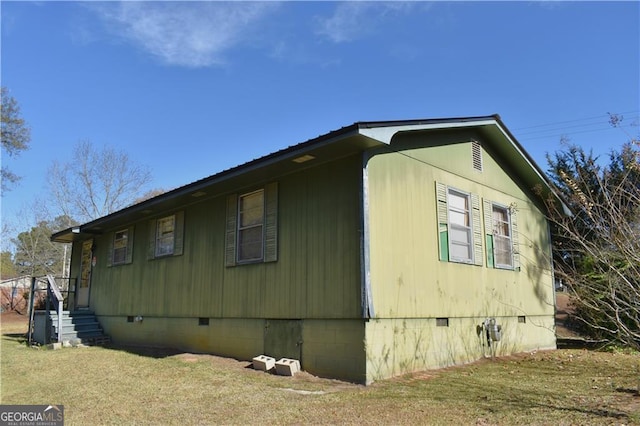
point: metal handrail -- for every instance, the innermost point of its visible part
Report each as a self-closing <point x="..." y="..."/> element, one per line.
<point x="52" y="288"/>
<point x="31" y="310"/>
<point x="53" y="294"/>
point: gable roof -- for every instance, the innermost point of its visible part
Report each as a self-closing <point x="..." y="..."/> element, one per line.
<point x="348" y="140"/>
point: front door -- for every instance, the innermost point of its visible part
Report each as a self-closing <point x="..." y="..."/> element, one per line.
<point x="82" y="294"/>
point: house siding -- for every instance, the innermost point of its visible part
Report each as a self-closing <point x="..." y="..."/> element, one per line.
<point x="400" y="345"/>
<point x="330" y="348"/>
<point x="316" y="275"/>
<point x="334" y="348"/>
<point x="411" y="286"/>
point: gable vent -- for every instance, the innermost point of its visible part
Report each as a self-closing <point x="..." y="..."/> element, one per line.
<point x="476" y="155"/>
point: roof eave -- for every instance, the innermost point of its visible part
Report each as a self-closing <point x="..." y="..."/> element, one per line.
<point x="283" y="155"/>
<point x="385" y="131"/>
<point x="66" y="235"/>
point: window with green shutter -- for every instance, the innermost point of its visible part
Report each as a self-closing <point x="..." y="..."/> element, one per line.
<point x="460" y="226"/>
<point x="501" y="235"/>
<point x="460" y="237"/>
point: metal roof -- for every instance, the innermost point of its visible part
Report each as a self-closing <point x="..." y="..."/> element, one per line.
<point x="347" y="140"/>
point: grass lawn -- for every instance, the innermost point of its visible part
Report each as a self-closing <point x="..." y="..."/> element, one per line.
<point x="141" y="386"/>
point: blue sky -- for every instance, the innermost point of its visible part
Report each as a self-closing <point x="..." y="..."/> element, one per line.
<point x="190" y="89"/>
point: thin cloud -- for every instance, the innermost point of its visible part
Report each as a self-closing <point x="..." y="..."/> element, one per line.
<point x="194" y="34"/>
<point x="357" y="19"/>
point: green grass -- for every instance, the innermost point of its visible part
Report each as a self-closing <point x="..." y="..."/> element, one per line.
<point x="117" y="386"/>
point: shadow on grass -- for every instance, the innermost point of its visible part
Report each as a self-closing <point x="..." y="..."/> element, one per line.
<point x="19" y="338"/>
<point x="495" y="398"/>
<point x="635" y="392"/>
<point x="146" y="351"/>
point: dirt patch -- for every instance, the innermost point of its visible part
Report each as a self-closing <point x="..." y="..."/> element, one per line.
<point x="234" y="364"/>
<point x="564" y="310"/>
<point x="13" y="322"/>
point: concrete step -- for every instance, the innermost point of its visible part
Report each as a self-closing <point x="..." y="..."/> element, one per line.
<point x="74" y="318"/>
<point x="79" y="327"/>
<point x="70" y="320"/>
<point x="84" y="328"/>
<point x="82" y="334"/>
<point x="87" y="341"/>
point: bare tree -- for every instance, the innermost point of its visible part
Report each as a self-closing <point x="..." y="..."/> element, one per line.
<point x="597" y="249"/>
<point x="149" y="195"/>
<point x="95" y="183"/>
<point x="14" y="133"/>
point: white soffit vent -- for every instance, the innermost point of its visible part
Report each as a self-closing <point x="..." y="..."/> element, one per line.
<point x="476" y="155"/>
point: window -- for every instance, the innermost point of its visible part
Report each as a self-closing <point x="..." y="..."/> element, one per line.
<point x="251" y="231"/>
<point x="250" y="226"/>
<point x="120" y="247"/>
<point x="501" y="239"/>
<point x="503" y="250"/>
<point x="166" y="236"/>
<point x="459" y="233"/>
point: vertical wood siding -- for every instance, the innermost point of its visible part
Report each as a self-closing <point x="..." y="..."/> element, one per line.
<point x="408" y="278"/>
<point x="316" y="275"/>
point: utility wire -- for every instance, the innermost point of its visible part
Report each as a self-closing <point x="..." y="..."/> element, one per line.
<point x="560" y="133"/>
<point x="599" y="117"/>
<point x="560" y="127"/>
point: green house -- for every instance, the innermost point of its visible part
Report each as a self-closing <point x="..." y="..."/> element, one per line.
<point x="374" y="250"/>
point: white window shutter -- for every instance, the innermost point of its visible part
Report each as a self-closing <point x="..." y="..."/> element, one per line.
<point x="477" y="230"/>
<point x="514" y="237"/>
<point x="443" y="221"/>
<point x="488" y="217"/>
<point x="488" y="230"/>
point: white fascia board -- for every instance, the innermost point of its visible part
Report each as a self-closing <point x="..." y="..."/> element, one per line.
<point x="385" y="134"/>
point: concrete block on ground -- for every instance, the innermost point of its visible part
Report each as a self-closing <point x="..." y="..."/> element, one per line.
<point x="287" y="366"/>
<point x="263" y="362"/>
